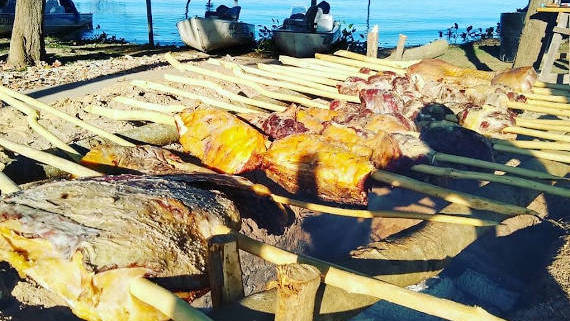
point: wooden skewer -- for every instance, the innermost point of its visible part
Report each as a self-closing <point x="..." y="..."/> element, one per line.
<point x="538" y="109"/>
<point x="558" y="157"/>
<point x="444" y="218"/>
<point x="506" y="180"/>
<point x="47" y="158"/>
<point x="452" y="196"/>
<point x="182" y="93"/>
<point x="7" y="186"/>
<point x="361" y="64"/>
<point x="540" y="84"/>
<point x="354" y="282"/>
<point x="539" y="98"/>
<point x="385" y="62"/>
<point x="150" y="106"/>
<point x="294" y="73"/>
<point x="140" y="115"/>
<point x="300" y="81"/>
<point x="236" y="80"/>
<point x="32" y="118"/>
<point x="553" y="122"/>
<point x="50" y="110"/>
<point x="338" y="74"/>
<point x="530" y="144"/>
<point x="495" y="166"/>
<point x="165" y="301"/>
<point x="228" y="94"/>
<point x="537" y="133"/>
<point x="533" y="125"/>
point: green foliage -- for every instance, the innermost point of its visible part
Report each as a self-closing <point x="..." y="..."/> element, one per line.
<point x="453" y="34"/>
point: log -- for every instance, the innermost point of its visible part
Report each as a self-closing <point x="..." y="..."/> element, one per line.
<point x="357" y="63"/>
<point x="536" y="145"/>
<point x="7" y="186"/>
<point x="297" y="286"/>
<point x="224" y="93"/>
<point x="293" y="72"/>
<point x="465" y="199"/>
<point x="165" y="301"/>
<point x="336" y="74"/>
<point x="139" y="115"/>
<point x="50" y="110"/>
<point x="489" y="165"/>
<point x="398" y="54"/>
<point x="507" y="180"/>
<point x="224" y="270"/>
<point x="360" y="284"/>
<point x="372" y="42"/>
<point x="531" y="37"/>
<point x="538" y="109"/>
<point x="536" y="133"/>
<point x="149" y="106"/>
<point x="431" y="50"/>
<point x="553" y="156"/>
<point x="385" y="62"/>
<point x="236" y="80"/>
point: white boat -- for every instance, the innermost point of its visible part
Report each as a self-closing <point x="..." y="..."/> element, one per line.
<point x="57" y="19"/>
<point x="219" y="29"/>
<point x="300" y="36"/>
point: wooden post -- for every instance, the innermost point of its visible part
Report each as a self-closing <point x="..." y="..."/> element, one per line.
<point x="532" y="34"/>
<point x="224" y="270"/>
<point x="372" y="42"/>
<point x="149" y="20"/>
<point x="297" y="286"/>
<point x="400" y="48"/>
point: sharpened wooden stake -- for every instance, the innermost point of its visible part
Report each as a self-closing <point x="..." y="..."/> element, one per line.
<point x="150" y="106"/>
<point x="532" y="125"/>
<point x="298" y="73"/>
<point x="50" y="110"/>
<point x="228" y="94"/>
<point x="537" y="133"/>
<point x="506" y="180"/>
<point x="472" y="201"/>
<point x="236" y="80"/>
<point x="47" y="158"/>
<point x="548" y="104"/>
<point x="540" y="98"/>
<point x="165" y="301"/>
<point x="7" y="186"/>
<point x="548" y="91"/>
<point x="297" y="286"/>
<point x="400" y="47"/>
<point x="140" y="115"/>
<point x="390" y="63"/>
<point x="553" y="156"/>
<point x="336" y="74"/>
<point x="538" y="109"/>
<point x="540" y="84"/>
<point x="224" y="270"/>
<point x="553" y="122"/>
<point x="495" y="166"/>
<point x="540" y="145"/>
<point x="353" y="282"/>
<point x="357" y="63"/>
<point x="372" y="42"/>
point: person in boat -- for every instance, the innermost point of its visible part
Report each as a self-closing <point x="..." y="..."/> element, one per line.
<point x="316" y="19"/>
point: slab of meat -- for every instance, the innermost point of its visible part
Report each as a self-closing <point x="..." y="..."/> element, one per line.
<point x="486" y="120"/>
<point x="220" y="140"/>
<point x="436" y="69"/>
<point x="311" y="164"/>
<point x="85" y="240"/>
<point x="518" y="79"/>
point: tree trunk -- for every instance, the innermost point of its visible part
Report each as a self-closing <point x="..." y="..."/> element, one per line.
<point x="27" y="42"/>
<point x="531" y="42"/>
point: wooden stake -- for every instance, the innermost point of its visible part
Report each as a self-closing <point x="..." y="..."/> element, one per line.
<point x="540" y="84"/>
<point x="50" y="110"/>
<point x="400" y="47"/>
<point x="554" y="122"/>
<point x="538" y="109"/>
<point x="548" y="104"/>
<point x="536" y="145"/>
<point x="548" y="91"/>
<point x="236" y="80"/>
<point x="7" y="186"/>
<point x="336" y="74"/>
<point x="468" y="200"/>
<point x="165" y="301"/>
<point x="361" y="64"/>
<point x="507" y="180"/>
<point x="547" y="98"/>
<point x="224" y="270"/>
<point x="554" y="156"/>
<point x="224" y="93"/>
<point x="495" y="166"/>
<point x="150" y="106"/>
<point x="140" y="115"/>
<point x="353" y="282"/>
<point x="372" y="43"/>
<point x="443" y="218"/>
<point x="32" y="117"/>
<point x="206" y="100"/>
<point x="52" y="160"/>
<point x="293" y="72"/>
<point x="297" y="286"/>
<point x="536" y="133"/>
<point x="534" y="125"/>
<point x="385" y="62"/>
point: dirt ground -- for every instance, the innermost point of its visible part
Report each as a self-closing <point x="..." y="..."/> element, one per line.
<point x="546" y="294"/>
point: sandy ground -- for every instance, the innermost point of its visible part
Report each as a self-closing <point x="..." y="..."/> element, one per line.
<point x="95" y="82"/>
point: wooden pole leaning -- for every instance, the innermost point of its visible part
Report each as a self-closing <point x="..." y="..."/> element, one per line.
<point x="50" y="110"/>
<point x="236" y="80"/>
<point x="385" y="62"/>
<point x="471" y="201"/>
<point x="353" y="282"/>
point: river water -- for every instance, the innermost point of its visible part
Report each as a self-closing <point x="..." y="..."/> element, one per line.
<point x="420" y="20"/>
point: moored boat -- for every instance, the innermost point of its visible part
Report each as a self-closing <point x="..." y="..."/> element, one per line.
<point x="305" y="33"/>
<point x="218" y="29"/>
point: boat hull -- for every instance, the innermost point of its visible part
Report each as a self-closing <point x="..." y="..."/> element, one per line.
<point x="207" y="34"/>
<point x="305" y="44"/>
<point x="53" y="23"/>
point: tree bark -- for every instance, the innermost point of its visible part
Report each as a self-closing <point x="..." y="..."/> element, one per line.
<point x="531" y="42"/>
<point x="27" y="43"/>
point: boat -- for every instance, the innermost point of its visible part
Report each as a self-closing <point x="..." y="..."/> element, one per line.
<point x="305" y="33"/>
<point x="218" y="29"/>
<point x="58" y="18"/>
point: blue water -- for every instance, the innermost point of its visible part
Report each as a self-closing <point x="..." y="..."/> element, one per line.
<point x="420" y="20"/>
